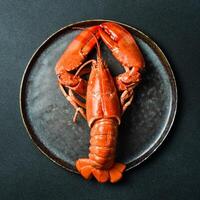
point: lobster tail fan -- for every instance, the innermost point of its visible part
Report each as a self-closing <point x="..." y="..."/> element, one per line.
<point x="113" y="174"/>
<point x="116" y="172"/>
<point x="84" y="167"/>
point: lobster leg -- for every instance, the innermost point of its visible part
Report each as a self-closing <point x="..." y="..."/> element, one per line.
<point x="126" y="98"/>
<point x="125" y="84"/>
<point x="78" y="105"/>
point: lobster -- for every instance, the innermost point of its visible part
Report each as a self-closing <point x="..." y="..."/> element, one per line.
<point x="106" y="97"/>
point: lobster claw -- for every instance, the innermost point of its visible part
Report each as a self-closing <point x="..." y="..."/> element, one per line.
<point x="72" y="58"/>
<point x="122" y="45"/>
<point x="78" y="49"/>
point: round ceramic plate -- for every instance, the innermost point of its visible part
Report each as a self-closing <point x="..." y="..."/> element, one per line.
<point x="47" y="115"/>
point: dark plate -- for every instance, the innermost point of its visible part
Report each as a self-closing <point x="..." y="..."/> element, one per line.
<point x="47" y="115"/>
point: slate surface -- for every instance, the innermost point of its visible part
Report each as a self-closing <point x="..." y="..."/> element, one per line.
<point x="172" y="172"/>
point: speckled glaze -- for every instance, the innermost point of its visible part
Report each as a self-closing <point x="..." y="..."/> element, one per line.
<point x="48" y="116"/>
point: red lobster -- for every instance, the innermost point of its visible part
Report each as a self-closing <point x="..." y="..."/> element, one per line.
<point x="104" y="107"/>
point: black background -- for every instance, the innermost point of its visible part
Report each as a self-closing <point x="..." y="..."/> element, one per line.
<point x="173" y="172"/>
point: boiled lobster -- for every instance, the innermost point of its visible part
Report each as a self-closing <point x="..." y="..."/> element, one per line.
<point x="106" y="97"/>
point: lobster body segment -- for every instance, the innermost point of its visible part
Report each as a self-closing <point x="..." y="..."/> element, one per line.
<point x="102" y="98"/>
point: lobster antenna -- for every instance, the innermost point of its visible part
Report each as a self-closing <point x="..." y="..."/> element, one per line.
<point x="82" y="66"/>
<point x="97" y="43"/>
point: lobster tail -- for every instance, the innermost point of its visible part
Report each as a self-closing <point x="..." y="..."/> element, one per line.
<point x="102" y="153"/>
<point x="103" y="143"/>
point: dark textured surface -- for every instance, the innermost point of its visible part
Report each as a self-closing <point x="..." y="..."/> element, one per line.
<point x="172" y="172"/>
<point x="48" y="116"/>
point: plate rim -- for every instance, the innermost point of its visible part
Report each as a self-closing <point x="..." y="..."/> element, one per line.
<point x="44" y="150"/>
